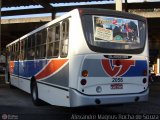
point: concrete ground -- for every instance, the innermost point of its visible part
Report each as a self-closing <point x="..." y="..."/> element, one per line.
<point x="16" y="104"/>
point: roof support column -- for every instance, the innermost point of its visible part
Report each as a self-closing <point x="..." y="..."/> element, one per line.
<point x="0" y="26"/>
<point x="53" y="15"/>
<point x="46" y="6"/>
<point x="126" y="6"/>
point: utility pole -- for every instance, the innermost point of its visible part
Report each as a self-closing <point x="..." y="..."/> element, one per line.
<point x="0" y="26"/>
<point x="119" y="5"/>
<point x="126" y="6"/>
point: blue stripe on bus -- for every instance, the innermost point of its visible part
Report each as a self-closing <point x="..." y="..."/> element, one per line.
<point x="28" y="68"/>
<point x="137" y="70"/>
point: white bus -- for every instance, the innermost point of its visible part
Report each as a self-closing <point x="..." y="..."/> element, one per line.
<point x="85" y="57"/>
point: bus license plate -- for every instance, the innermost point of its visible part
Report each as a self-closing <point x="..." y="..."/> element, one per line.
<point x="117" y="86"/>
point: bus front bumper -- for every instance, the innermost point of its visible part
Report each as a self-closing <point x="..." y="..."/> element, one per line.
<point x="78" y="99"/>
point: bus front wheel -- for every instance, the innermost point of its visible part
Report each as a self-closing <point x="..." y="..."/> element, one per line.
<point x="34" y="93"/>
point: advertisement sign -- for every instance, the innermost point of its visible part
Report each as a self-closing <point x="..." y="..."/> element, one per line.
<point x="113" y="29"/>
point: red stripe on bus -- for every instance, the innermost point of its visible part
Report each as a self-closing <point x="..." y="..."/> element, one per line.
<point x="51" y="68"/>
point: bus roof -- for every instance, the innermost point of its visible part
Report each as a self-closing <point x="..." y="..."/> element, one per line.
<point x="84" y="11"/>
<point x="45" y="26"/>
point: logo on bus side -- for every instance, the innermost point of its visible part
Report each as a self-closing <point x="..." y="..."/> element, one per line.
<point x="117" y="68"/>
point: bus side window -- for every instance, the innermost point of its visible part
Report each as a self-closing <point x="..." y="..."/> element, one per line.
<point x="38" y="42"/>
<point x="53" y="41"/>
<point x="65" y="37"/>
<point x="31" y="47"/>
<point x="41" y="44"/>
<point x="25" y="48"/>
<point x="17" y="51"/>
<point x="49" y="42"/>
<point x="56" y="42"/>
<point x="22" y="43"/>
<point x="11" y="54"/>
<point x="14" y="50"/>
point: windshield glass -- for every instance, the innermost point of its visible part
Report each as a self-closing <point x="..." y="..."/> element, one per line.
<point x="107" y="34"/>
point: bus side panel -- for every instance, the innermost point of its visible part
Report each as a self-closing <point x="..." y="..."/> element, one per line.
<point x="56" y="72"/>
<point x="74" y="70"/>
<point x="53" y="83"/>
<point x="14" y="81"/>
<point x="53" y="95"/>
<point x="27" y="69"/>
<point x="60" y="78"/>
<point x="24" y="84"/>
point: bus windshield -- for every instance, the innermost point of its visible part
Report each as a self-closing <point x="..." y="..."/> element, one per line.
<point x="114" y="34"/>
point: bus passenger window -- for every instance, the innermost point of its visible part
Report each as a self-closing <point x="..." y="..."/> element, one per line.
<point x="64" y="49"/>
<point x="44" y="36"/>
<point x="65" y="37"/>
<point x="33" y="40"/>
<point x="53" y="41"/>
<point x="29" y="42"/>
<point x="56" y="49"/>
<point x="38" y="38"/>
<point x="12" y="55"/>
<point x="41" y="44"/>
<point x="30" y="54"/>
<point x="50" y="50"/>
<point x="57" y="33"/>
<point x="37" y="52"/>
<point x="21" y="47"/>
<point x="31" y="47"/>
<point x="56" y="42"/>
<point x="43" y="53"/>
<point x="16" y="57"/>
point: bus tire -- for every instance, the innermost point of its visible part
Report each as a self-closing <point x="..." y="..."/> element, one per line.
<point x="34" y="94"/>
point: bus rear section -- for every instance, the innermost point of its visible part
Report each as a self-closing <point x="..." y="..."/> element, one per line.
<point x="114" y="68"/>
<point x="111" y="79"/>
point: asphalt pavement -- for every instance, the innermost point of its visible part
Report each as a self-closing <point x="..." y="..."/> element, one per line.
<point x="16" y="104"/>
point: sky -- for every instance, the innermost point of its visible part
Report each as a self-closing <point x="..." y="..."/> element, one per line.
<point x="58" y="5"/>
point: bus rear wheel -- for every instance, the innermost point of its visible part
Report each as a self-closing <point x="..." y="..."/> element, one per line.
<point x="34" y="94"/>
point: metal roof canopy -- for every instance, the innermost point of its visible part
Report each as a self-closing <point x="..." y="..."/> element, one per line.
<point x="11" y="34"/>
<point x="18" y="3"/>
<point x="48" y="8"/>
<point x="46" y="4"/>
